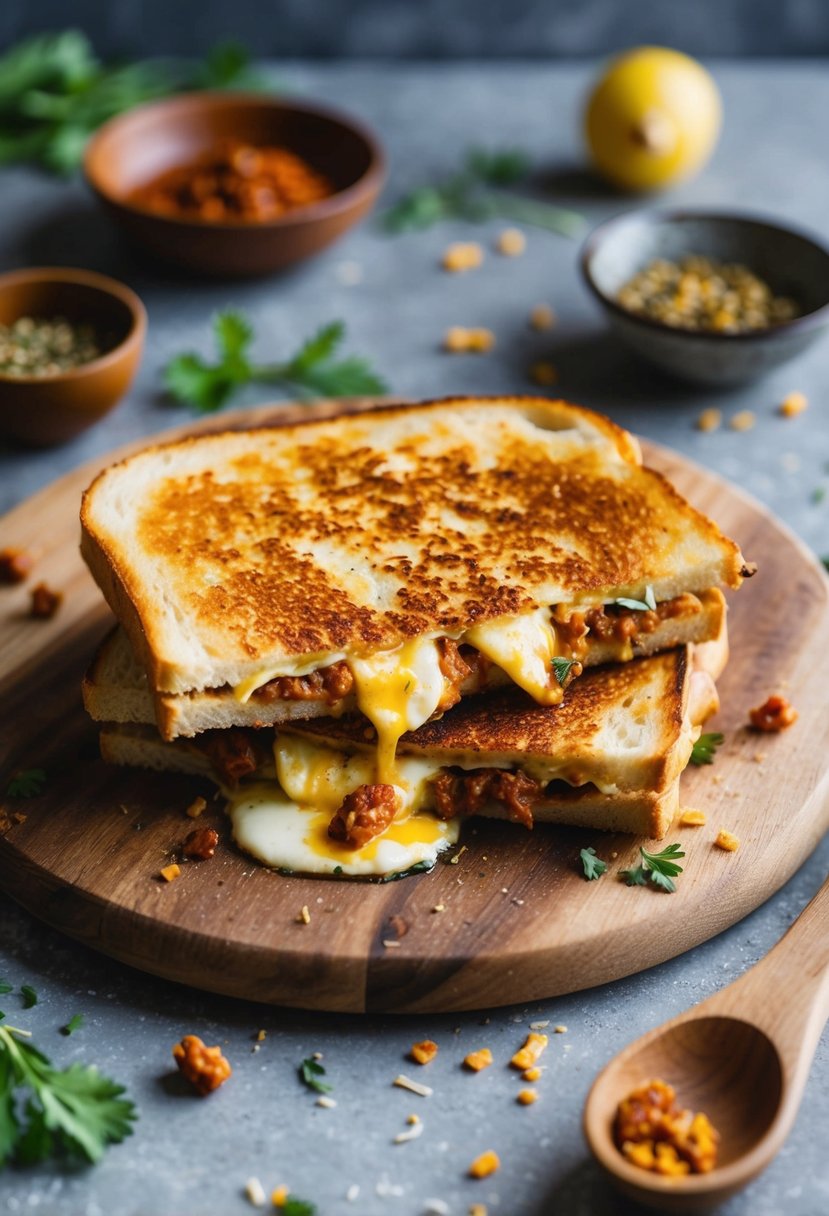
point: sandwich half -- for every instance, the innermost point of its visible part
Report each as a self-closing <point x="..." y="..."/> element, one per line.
<point x="394" y="563"/>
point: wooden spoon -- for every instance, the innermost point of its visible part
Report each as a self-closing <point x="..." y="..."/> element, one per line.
<point x="742" y="1057"/>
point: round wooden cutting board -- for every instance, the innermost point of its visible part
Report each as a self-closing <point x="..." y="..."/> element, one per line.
<point x="518" y="922"/>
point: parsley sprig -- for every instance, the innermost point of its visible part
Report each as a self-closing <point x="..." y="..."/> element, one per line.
<point x="313" y="371"/>
<point x="562" y="668"/>
<point x="28" y="783"/>
<point x="705" y="748"/>
<point x="660" y="868"/>
<point x="294" y="1206"/>
<point x="54" y="92"/>
<point x="477" y="192"/>
<point x="645" y="605"/>
<point x="310" y="1072"/>
<point x="74" y="1110"/>
<point x="592" y="865"/>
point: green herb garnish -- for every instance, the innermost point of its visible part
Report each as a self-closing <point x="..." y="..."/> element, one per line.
<point x="419" y="867"/>
<point x="311" y="372"/>
<point x="592" y="865"/>
<point x="646" y="605"/>
<point x="294" y="1206"/>
<point x="54" y="92"/>
<point x="75" y="1023"/>
<point x="76" y="1110"/>
<point x="562" y="668"/>
<point x="660" y="868"/>
<point x="705" y="748"/>
<point x="309" y="1072"/>
<point x="29" y="996"/>
<point x="476" y="192"/>
<point x="26" y="784"/>
<point x="5" y="987"/>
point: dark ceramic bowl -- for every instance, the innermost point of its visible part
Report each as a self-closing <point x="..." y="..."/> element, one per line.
<point x="131" y="150"/>
<point x="791" y="263"/>
<point x="45" y="410"/>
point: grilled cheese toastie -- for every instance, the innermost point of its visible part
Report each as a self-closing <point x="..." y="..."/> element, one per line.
<point x="609" y="756"/>
<point x="396" y="561"/>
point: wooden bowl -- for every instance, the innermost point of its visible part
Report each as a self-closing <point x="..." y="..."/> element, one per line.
<point x="45" y="410"/>
<point x="131" y="150"/>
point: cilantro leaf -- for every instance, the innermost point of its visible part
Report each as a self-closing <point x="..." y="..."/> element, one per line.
<point x="233" y="333"/>
<point x="26" y="784"/>
<point x="705" y="748"/>
<point x="5" y="987"/>
<point x="9" y="1126"/>
<point x="75" y="1023"/>
<point x="318" y="348"/>
<point x="29" y="996"/>
<point x="645" y="605"/>
<point x="592" y="865"/>
<point x="660" y="868"/>
<point x="562" y="668"/>
<point x="294" y="1206"/>
<point x="498" y="168"/>
<point x="309" y="1073"/>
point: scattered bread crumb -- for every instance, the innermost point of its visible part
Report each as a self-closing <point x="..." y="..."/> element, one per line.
<point x="326" y="1102"/>
<point x="391" y="943"/>
<point x="303" y="916"/>
<point x="453" y="861"/>
<point x="529" y="1054"/>
<point x="542" y="317"/>
<point x="413" y="1119"/>
<point x="196" y="807"/>
<point x="255" y="1193"/>
<point x="462" y="255"/>
<point x="511" y="243"/>
<point x="439" y="908"/>
<point x="476" y="1061"/>
<point x="477" y="1209"/>
<point x="415" y="1131"/>
<point x="709" y="420"/>
<point x="543" y="372"/>
<point x="484" y="1165"/>
<point x="526" y="1097"/>
<point x="261" y="1035"/>
<point x="793" y="404"/>
<point x="540" y="1025"/>
<point x="727" y="841"/>
<point x="279" y="1196"/>
<point x="459" y="341"/>
<point x="692" y="819"/>
<point x="744" y="420"/>
<point x="404" y="1082"/>
<point x="560" y="1029"/>
<point x="531" y="1074"/>
<point x="169" y="873"/>
<point x="353" y="1193"/>
<point x="423" y="1053"/>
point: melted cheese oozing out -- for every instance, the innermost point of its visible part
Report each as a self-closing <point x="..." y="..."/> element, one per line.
<point x="397" y="690"/>
<point x="524" y="647"/>
<point x="321" y="777"/>
<point x="291" y="667"/>
<point x="284" y="835"/>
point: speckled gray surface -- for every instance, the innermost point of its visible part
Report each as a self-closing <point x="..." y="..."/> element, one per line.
<point x="190" y="1156"/>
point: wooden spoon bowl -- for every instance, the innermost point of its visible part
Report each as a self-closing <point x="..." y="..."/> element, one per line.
<point x="742" y="1057"/>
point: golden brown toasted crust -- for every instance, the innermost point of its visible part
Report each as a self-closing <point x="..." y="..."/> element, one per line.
<point x="355" y="534"/>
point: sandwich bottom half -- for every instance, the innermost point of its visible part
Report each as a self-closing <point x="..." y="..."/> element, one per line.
<point x="609" y="758"/>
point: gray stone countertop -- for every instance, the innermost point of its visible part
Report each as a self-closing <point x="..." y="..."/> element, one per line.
<point x="191" y="1156"/>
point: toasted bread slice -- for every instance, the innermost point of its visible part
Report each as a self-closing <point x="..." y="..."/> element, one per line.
<point x="230" y="556"/>
<point x="115" y="687"/>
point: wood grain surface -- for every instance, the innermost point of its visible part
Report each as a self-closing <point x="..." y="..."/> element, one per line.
<point x="520" y="922"/>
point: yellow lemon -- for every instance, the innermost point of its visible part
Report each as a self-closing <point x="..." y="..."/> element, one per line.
<point x="653" y="118"/>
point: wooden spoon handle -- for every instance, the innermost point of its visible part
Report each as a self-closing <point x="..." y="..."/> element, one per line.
<point x="787" y="993"/>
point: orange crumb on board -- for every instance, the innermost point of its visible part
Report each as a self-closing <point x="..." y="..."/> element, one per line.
<point x="478" y="1060"/>
<point x="196" y="807"/>
<point x="511" y="243"/>
<point x="459" y="340"/>
<point x="793" y="404"/>
<point x="530" y="1053"/>
<point x="531" y="1074"/>
<point x="744" y="420"/>
<point x="168" y="873"/>
<point x="303" y="916"/>
<point x="462" y="255"/>
<point x="526" y="1097"/>
<point x="709" y="420"/>
<point x="485" y="1165"/>
<point x="692" y="819"/>
<point x="423" y="1053"/>
<point x="727" y="841"/>
<point x="279" y="1196"/>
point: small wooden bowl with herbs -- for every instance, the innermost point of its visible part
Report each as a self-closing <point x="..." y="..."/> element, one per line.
<point x="716" y="299"/>
<point x="234" y="184"/>
<point x="70" y="345"/>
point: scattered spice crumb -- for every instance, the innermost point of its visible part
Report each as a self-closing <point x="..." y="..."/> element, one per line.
<point x="775" y="714"/>
<point x="261" y="1035"/>
<point x="303" y="916"/>
<point x="326" y="1103"/>
<point x="529" y="1054"/>
<point x="200" y="844"/>
<point x="171" y="872"/>
<point x="542" y="317"/>
<point x="404" y="1082"/>
<point x="651" y="1131"/>
<point x="415" y="1130"/>
<point x="196" y="807"/>
<point x="279" y="1196"/>
<point x="727" y="841"/>
<point x="423" y="1053"/>
<point x="560" y="1029"/>
<point x="15" y="565"/>
<point x="692" y="819"/>
<point x="391" y="943"/>
<point x="519" y="903"/>
<point x="412" y="1119"/>
<point x="531" y="1074"/>
<point x="709" y="420"/>
<point x="544" y="373"/>
<point x="204" y="1067"/>
<point x="439" y="908"/>
<point x="526" y="1097"/>
<point x="45" y="602"/>
<point x="478" y="1209"/>
<point x="462" y="255"/>
<point x="453" y="861"/>
<point x="353" y="1193"/>
<point x="461" y="341"/>
<point x="793" y="404"/>
<point x="744" y="420"/>
<point x="511" y="243"/>
<point x="476" y="1061"/>
<point x="255" y="1193"/>
<point x="759" y="757"/>
<point x="485" y="1165"/>
<point x="540" y="1025"/>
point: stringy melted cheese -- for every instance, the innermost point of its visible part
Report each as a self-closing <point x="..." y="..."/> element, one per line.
<point x="524" y="647"/>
